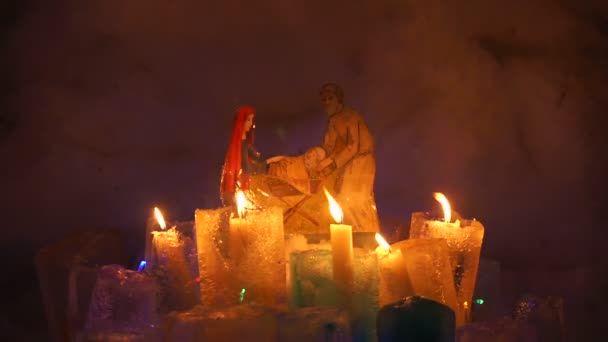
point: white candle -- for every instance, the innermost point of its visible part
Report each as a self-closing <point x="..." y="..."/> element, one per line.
<point x="341" y="238"/>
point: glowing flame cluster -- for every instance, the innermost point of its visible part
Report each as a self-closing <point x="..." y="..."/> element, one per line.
<point x="159" y="218"/>
<point x="447" y="210"/>
<point x="334" y="208"/>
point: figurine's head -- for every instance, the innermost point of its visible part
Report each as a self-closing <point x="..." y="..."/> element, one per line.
<point x="244" y="119"/>
<point x="332" y="98"/>
<point x="313" y="156"/>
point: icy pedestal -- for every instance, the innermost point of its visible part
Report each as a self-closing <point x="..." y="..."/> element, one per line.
<point x="416" y="319"/>
<point x="173" y="264"/>
<point x="423" y="270"/>
<point x="75" y="257"/>
<point x="123" y="301"/>
<point x="464" y="241"/>
<point x="314" y="324"/>
<point x="247" y="322"/>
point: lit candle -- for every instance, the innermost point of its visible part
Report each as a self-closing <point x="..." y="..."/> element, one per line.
<point x="341" y="238"/>
<point x="464" y="239"/>
<point x="173" y="272"/>
<point x="239" y="228"/>
<point x="394" y="281"/>
<point x="416" y="267"/>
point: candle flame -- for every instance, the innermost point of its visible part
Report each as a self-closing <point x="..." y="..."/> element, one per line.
<point x="383" y="242"/>
<point x="241" y="203"/>
<point x="159" y="218"/>
<point x="334" y="208"/>
<point x="447" y="210"/>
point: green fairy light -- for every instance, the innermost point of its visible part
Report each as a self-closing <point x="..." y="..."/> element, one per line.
<point x="479" y="301"/>
<point x="242" y="295"/>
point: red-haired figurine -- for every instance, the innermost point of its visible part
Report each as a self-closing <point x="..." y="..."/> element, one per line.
<point x="242" y="160"/>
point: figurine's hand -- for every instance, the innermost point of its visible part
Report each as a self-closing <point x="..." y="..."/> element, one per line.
<point x="324" y="163"/>
<point x="274" y="159"/>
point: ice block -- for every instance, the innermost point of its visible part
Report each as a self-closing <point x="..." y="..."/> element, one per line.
<point x="416" y="319"/>
<point x="55" y="263"/>
<point x="311" y="279"/>
<point x="216" y="287"/>
<point x="365" y="297"/>
<point x="171" y="268"/>
<point x="123" y="300"/>
<point x="247" y="322"/>
<point x="428" y="268"/>
<point x="464" y="239"/>
<point x="260" y="268"/>
<point x="314" y="324"/>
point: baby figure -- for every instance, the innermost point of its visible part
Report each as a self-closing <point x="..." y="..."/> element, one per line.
<point x="312" y="157"/>
<point x="298" y="171"/>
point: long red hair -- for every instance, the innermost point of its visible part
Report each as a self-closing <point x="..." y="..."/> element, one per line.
<point x="232" y="176"/>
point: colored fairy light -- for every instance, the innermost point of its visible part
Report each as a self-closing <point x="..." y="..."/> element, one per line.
<point x="142" y="265"/>
<point x="242" y="295"/>
<point x="479" y="301"/>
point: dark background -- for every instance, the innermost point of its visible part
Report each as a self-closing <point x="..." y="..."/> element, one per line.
<point x="110" y="107"/>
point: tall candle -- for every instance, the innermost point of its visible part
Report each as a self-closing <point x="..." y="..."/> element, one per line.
<point x="464" y="239"/>
<point x="341" y="239"/>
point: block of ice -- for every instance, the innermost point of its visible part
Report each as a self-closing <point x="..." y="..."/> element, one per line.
<point x="311" y="274"/>
<point x="175" y="270"/>
<point x="464" y="240"/>
<point x="123" y="300"/>
<point x="60" y="261"/>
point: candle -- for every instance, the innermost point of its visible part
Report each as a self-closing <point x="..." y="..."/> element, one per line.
<point x="155" y="221"/>
<point x="394" y="281"/>
<point x="239" y="230"/>
<point x="464" y="239"/>
<point x="342" y="251"/>
<point x="416" y="267"/>
<point x="172" y="269"/>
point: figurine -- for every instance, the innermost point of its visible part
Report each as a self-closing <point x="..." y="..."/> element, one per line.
<point x="242" y="159"/>
<point x="349" y="152"/>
